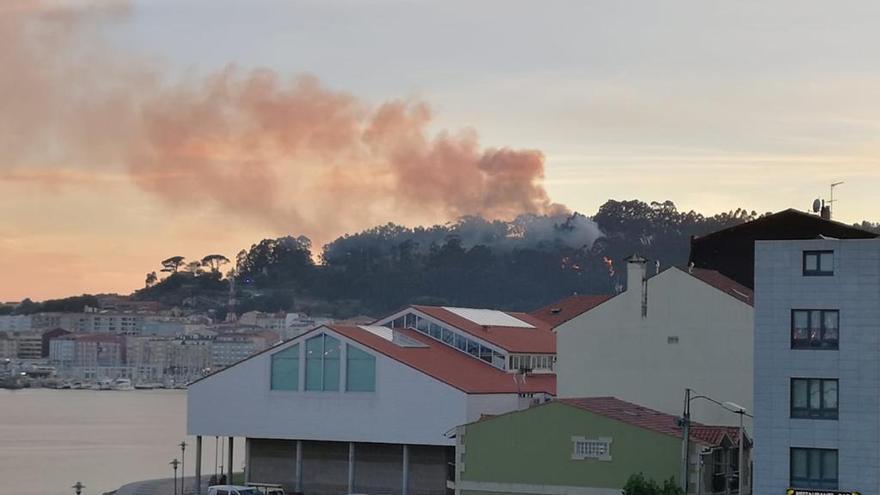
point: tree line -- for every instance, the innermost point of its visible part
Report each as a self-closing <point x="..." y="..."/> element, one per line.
<point x="519" y="264"/>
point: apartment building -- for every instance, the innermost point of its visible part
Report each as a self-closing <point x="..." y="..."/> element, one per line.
<point x="15" y="323"/>
<point x="230" y="348"/>
<point x="668" y="331"/>
<point x="8" y="346"/>
<point x="817" y="372"/>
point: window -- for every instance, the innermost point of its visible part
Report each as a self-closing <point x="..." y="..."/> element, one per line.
<point x="322" y="363"/>
<point x="435" y="331"/>
<point x="448" y="336"/>
<point x="485" y="354"/>
<point x="815" y="328"/>
<point x="473" y="348"/>
<point x="814" y="468"/>
<point x="585" y="448"/>
<point x="422" y="324"/>
<point x="460" y="342"/>
<point x="285" y="369"/>
<point x="814" y="398"/>
<point x="360" y="370"/>
<point x="818" y="263"/>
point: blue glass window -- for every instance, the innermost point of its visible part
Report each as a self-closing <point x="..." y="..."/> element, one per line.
<point x="360" y="370"/>
<point x="285" y="369"/>
<point x="322" y="363"/>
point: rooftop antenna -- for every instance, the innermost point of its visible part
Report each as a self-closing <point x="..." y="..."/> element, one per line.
<point x="831" y="200"/>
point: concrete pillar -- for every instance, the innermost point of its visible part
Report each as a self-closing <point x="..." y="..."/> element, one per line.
<point x="350" y="467"/>
<point x="299" y="466"/>
<point x="405" y="481"/>
<point x="229" y="463"/>
<point x="198" y="480"/>
<point x="247" y="461"/>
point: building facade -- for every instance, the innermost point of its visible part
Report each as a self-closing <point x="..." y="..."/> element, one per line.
<point x="817" y="375"/>
<point x="675" y="330"/>
<point x="588" y="446"/>
<point x="367" y="409"/>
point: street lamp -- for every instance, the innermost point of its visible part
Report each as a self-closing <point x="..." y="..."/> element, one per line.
<point x="738" y="409"/>
<point x="685" y="439"/>
<point x="78" y="487"/>
<point x="174" y="465"/>
<point x="182" y="446"/>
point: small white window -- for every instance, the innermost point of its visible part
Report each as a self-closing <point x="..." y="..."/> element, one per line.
<point x="585" y="448"/>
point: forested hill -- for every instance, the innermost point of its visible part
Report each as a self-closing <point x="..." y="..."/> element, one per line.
<point x="472" y="262"/>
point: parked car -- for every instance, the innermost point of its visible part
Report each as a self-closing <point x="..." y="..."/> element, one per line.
<point x="268" y="488"/>
<point x="233" y="490"/>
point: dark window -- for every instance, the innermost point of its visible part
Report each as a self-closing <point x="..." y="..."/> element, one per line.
<point x="818" y="263"/>
<point x="814" y="468"/>
<point x="815" y="328"/>
<point x="814" y="398"/>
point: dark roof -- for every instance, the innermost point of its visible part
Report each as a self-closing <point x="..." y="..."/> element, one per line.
<point x="725" y="284"/>
<point x="650" y="419"/>
<point x="731" y="251"/>
<point x="561" y="311"/>
<point x="539" y="339"/>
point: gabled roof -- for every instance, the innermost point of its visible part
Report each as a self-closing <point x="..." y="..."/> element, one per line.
<point x="574" y="306"/>
<point x="561" y="311"/>
<point x="725" y="284"/>
<point x="449" y="365"/>
<point x="433" y="358"/>
<point x="650" y="419"/>
<point x="539" y="339"/>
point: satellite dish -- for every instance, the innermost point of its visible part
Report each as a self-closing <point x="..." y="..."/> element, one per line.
<point x="817" y="206"/>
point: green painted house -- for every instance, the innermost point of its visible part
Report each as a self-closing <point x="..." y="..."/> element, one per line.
<point x="590" y="447"/>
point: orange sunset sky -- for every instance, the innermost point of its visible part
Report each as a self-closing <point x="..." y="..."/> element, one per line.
<point x="134" y="131"/>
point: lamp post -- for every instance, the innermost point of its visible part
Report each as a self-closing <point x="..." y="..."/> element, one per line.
<point x="685" y="426"/>
<point x="182" y="446"/>
<point x="738" y="409"/>
<point x="78" y="487"/>
<point x="174" y="465"/>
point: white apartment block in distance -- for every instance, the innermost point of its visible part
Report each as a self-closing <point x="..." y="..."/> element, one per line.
<point x="817" y="366"/>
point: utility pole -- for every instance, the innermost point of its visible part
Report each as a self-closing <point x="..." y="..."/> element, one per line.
<point x="182" y="446"/>
<point x="685" y="440"/>
<point x="742" y="467"/>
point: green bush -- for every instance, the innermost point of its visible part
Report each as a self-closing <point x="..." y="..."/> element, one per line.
<point x="637" y="484"/>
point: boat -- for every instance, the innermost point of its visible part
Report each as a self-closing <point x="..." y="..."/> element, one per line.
<point x="122" y="384"/>
<point x="103" y="384"/>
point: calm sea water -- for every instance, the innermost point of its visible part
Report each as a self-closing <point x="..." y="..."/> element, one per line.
<point x="50" y="439"/>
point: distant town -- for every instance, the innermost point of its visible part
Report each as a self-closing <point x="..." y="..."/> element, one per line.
<point x="124" y="344"/>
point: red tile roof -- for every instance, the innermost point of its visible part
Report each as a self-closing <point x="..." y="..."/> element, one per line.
<point x="449" y="365"/>
<point x="650" y="419"/>
<point x="561" y="311"/>
<point x="725" y="284"/>
<point x="538" y="340"/>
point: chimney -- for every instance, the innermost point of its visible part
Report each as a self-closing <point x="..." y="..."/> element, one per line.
<point x="637" y="279"/>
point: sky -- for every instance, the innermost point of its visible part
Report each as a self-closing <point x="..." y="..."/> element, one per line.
<point x="135" y="131"/>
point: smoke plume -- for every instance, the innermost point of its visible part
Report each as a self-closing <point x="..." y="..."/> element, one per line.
<point x="253" y="144"/>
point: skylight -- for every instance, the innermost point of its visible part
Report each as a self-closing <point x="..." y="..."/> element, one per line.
<point x="392" y="336"/>
<point x="489" y="317"/>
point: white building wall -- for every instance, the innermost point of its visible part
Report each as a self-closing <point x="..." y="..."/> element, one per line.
<point x="854" y="290"/>
<point x="408" y="407"/>
<point x="612" y="350"/>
